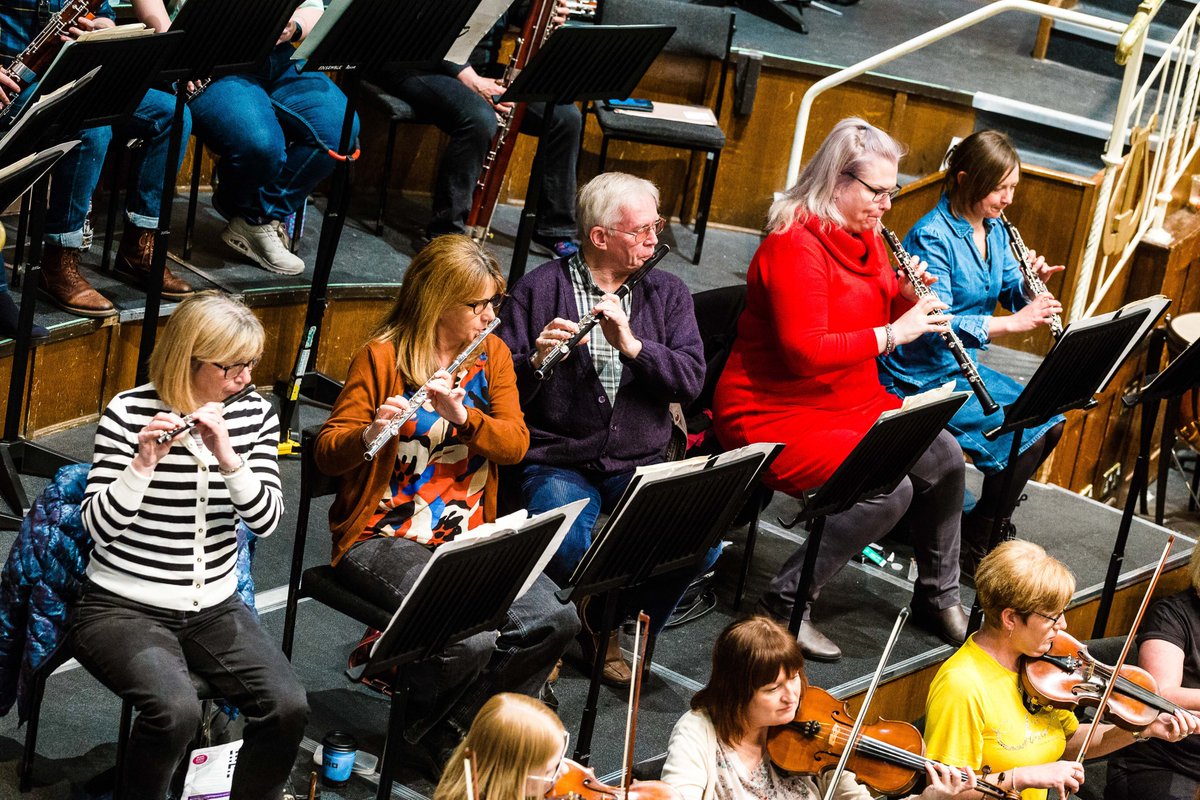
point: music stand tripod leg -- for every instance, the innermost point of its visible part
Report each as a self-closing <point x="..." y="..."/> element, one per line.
<point x="804" y="588"/>
<point x="997" y="535"/>
<point x="583" y="743"/>
<point x="395" y="733"/>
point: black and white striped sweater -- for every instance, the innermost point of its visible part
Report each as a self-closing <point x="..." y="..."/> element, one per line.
<point x="170" y="540"/>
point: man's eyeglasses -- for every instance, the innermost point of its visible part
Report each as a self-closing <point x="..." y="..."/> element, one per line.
<point x="233" y="370"/>
<point x="877" y="194"/>
<point x="495" y="301"/>
<point x="643" y="233"/>
<point x="1053" y="620"/>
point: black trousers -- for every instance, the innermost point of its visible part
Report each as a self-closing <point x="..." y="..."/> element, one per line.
<point x="143" y="654"/>
<point x="470" y="122"/>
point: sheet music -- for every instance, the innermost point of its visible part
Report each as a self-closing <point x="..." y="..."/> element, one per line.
<point x="477" y="26"/>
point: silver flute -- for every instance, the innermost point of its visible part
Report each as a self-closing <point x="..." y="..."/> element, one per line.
<point x="421" y="395"/>
<point x="1032" y="279"/>
<point x="189" y="421"/>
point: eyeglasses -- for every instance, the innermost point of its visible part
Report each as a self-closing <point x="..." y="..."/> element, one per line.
<point x="877" y="194"/>
<point x="233" y="370"/>
<point x="556" y="773"/>
<point x="643" y="233"/>
<point x="1053" y="620"/>
<point x="495" y="301"/>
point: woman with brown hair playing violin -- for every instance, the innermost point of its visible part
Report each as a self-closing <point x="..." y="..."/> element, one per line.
<point x="718" y="750"/>
<point x="977" y="713"/>
<point x="1169" y="649"/>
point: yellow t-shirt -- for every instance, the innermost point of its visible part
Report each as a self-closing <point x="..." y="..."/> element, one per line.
<point x="974" y="717"/>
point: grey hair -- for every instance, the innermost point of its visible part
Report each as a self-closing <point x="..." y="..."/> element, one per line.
<point x="602" y="198"/>
<point x="850" y="145"/>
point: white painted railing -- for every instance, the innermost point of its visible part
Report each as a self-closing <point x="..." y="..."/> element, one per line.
<point x="1174" y="99"/>
<point x="1163" y="109"/>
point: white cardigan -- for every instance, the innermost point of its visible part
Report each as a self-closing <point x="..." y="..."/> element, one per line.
<point x="691" y="765"/>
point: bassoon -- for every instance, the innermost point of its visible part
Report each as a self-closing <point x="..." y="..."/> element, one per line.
<point x="28" y="67"/>
<point x="538" y="27"/>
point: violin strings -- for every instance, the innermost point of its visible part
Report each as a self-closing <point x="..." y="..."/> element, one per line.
<point x="1128" y="687"/>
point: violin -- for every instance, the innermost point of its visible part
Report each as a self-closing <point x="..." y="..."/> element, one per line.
<point x="579" y="782"/>
<point x="889" y="756"/>
<point x="1067" y="675"/>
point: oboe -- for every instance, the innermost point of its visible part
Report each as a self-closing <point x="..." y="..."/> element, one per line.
<point x="969" y="370"/>
<point x="589" y="320"/>
<point x="189" y="421"/>
<point x="422" y="394"/>
<point x="1034" y="281"/>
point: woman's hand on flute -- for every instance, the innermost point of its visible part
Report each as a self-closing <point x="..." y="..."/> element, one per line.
<point x="210" y="420"/>
<point x="150" y="452"/>
<point x="446" y="398"/>
<point x="396" y="404"/>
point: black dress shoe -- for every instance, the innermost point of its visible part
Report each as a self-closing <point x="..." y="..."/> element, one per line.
<point x="950" y="624"/>
<point x="815" y="645"/>
<point x="10" y="317"/>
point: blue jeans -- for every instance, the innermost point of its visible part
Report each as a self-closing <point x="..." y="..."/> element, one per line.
<point x="76" y="174"/>
<point x="144" y="655"/>
<point x="545" y="487"/>
<point x="453" y="685"/>
<point x="273" y="130"/>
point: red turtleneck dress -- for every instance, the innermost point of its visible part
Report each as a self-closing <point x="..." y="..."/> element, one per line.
<point x="802" y="370"/>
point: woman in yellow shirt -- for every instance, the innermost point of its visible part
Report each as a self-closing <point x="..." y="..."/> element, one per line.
<point x="976" y="714"/>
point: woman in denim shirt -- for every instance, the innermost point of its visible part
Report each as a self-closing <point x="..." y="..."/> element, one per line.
<point x="966" y="247"/>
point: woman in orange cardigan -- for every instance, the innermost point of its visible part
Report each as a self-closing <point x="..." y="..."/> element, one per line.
<point x="437" y="478"/>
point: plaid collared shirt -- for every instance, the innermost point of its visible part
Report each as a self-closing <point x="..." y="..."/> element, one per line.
<point x="21" y="20"/>
<point x="605" y="357"/>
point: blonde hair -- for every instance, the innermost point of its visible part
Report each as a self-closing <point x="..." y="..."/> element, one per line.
<point x="511" y="737"/>
<point x="851" y="144"/>
<point x="450" y="270"/>
<point x="601" y="199"/>
<point x="210" y="327"/>
<point x="1022" y="576"/>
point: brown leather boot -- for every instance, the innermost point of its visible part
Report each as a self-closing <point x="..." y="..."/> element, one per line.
<point x="134" y="256"/>
<point x="616" y="671"/>
<point x="67" y="288"/>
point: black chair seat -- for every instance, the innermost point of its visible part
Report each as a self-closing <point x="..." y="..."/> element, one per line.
<point x="399" y="110"/>
<point x="323" y="585"/>
<point x="659" y="131"/>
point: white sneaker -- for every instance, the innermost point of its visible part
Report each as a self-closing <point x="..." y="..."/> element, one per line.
<point x="263" y="243"/>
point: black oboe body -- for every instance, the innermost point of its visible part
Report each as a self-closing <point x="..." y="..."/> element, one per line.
<point x="965" y="364"/>
<point x="1032" y="279"/>
<point x="589" y="321"/>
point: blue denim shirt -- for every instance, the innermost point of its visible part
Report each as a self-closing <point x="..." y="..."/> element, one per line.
<point x="21" y="20"/>
<point x="968" y="283"/>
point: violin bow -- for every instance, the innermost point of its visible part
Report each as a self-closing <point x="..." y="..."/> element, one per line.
<point x="470" y="773"/>
<point x="901" y="618"/>
<point x="640" y="638"/>
<point x="1116" y="670"/>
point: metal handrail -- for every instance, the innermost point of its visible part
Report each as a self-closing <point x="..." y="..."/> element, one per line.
<point x="919" y="42"/>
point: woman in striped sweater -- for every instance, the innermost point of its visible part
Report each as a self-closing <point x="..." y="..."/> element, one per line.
<point x="160" y="601"/>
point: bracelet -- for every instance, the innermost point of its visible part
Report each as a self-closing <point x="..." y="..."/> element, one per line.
<point x="1138" y="736"/>
<point x="298" y="34"/>
<point x="890" y="344"/>
<point x="241" y="463"/>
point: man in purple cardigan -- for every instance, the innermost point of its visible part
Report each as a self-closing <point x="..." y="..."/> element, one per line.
<point x="604" y="410"/>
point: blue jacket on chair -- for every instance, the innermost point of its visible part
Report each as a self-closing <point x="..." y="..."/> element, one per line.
<point x="44" y="576"/>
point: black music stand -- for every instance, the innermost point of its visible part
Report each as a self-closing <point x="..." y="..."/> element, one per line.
<point x="875" y="466"/>
<point x="355" y="36"/>
<point x="126" y="67"/>
<point x="462" y="590"/>
<point x="211" y="48"/>
<point x="661" y="525"/>
<point x="592" y="62"/>
<point x="1179" y="377"/>
<point x="15" y="452"/>
<point x="1078" y="366"/>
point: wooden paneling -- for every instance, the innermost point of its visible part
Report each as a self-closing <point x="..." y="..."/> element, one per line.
<point x="66" y="382"/>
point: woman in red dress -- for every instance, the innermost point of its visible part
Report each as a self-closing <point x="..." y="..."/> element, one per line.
<point x="822" y="302"/>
